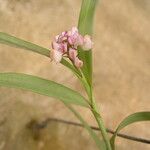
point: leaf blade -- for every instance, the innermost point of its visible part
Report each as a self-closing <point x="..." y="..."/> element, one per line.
<point x="17" y="42"/>
<point x="100" y="144"/>
<point x="136" y="117"/>
<point x="42" y="86"/>
<point x="10" y="40"/>
<point x="85" y="25"/>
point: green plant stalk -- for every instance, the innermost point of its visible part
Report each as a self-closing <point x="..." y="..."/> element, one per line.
<point x="95" y="112"/>
<point x="100" y="124"/>
<point x="100" y="144"/>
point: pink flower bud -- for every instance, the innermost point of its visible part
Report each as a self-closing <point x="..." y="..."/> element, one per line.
<point x="63" y="36"/>
<point x="56" y="38"/>
<point x="79" y="40"/>
<point x="55" y="46"/>
<point x="72" y="53"/>
<point x="73" y="35"/>
<point x="74" y="38"/>
<point x="56" y="56"/>
<point x="64" y="33"/>
<point x="63" y="47"/>
<point x="73" y="31"/>
<point x="87" y="43"/>
<point x="78" y="63"/>
<point x="67" y="43"/>
<point x="71" y="40"/>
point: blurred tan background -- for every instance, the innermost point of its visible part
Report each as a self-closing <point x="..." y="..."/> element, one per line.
<point x="121" y="72"/>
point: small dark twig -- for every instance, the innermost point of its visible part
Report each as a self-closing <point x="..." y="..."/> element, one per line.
<point x="45" y="123"/>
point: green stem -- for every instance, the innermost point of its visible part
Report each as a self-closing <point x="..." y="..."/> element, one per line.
<point x="96" y="114"/>
<point x="91" y="132"/>
<point x="101" y="125"/>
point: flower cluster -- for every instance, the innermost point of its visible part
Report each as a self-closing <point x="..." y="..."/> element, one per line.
<point x="66" y="43"/>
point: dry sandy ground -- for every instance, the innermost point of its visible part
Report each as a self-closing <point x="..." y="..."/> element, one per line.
<point x="121" y="72"/>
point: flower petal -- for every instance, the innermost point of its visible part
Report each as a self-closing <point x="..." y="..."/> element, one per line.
<point x="74" y="30"/>
<point x="79" y="40"/>
<point x="56" y="38"/>
<point x="87" y="43"/>
<point x="72" y="53"/>
<point x="55" y="46"/>
<point x="56" y="56"/>
<point x="78" y="63"/>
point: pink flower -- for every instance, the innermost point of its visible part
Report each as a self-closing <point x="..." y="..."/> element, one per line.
<point x="56" y="56"/>
<point x="56" y="38"/>
<point x="87" y="43"/>
<point x="80" y="40"/>
<point x="62" y="37"/>
<point x="78" y="63"/>
<point x="67" y="43"/>
<point x="74" y="38"/>
<point x="72" y="53"/>
<point x="55" y="46"/>
<point x="73" y="31"/>
<point x="62" y="47"/>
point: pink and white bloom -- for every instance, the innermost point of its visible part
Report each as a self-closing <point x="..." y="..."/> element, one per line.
<point x="55" y="46"/>
<point x="78" y="63"/>
<point x="87" y="43"/>
<point x="62" y="47"/>
<point x="73" y="36"/>
<point x="56" y="56"/>
<point x="67" y="43"/>
<point x="72" y="54"/>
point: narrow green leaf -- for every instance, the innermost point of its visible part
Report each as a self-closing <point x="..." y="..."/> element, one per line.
<point x="85" y="25"/>
<point x="19" y="43"/>
<point x="16" y="42"/>
<point x="136" y="117"/>
<point x="42" y="86"/>
<point x="100" y="144"/>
